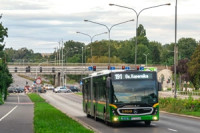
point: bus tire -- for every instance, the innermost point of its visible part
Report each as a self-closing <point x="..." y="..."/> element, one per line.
<point x="95" y="115"/>
<point x="105" y="117"/>
<point x="86" y="110"/>
<point x="147" y="123"/>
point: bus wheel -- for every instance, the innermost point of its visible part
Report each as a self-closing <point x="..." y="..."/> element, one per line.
<point x="147" y="123"/>
<point x="86" y="110"/>
<point x="105" y="119"/>
<point x="95" y="115"/>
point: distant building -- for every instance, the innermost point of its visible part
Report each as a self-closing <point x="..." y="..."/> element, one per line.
<point x="46" y="54"/>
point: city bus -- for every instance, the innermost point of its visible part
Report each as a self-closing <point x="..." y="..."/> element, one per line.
<point x="117" y="96"/>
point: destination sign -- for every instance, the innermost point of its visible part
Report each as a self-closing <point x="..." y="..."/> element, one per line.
<point x="125" y="76"/>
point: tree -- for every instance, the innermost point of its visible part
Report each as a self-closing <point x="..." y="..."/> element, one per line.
<point x="3" y="32"/>
<point x="194" y="68"/>
<point x="167" y="54"/>
<point x="155" y="49"/>
<point x="142" y="49"/>
<point x="141" y="31"/>
<point x="126" y="51"/>
<point x="5" y="76"/>
<point x="27" y="55"/>
<point x="186" y="47"/>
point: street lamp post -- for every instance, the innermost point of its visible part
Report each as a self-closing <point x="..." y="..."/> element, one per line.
<point x="82" y="64"/>
<point x="91" y="39"/>
<point x="146" y="58"/>
<point x="55" y="56"/>
<point x="109" y="30"/>
<point x="137" y="17"/>
<point x="175" y="51"/>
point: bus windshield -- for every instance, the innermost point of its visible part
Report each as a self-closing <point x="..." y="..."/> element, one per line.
<point x="134" y="91"/>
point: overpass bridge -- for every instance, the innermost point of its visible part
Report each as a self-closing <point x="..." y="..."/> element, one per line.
<point x="69" y="68"/>
<point x="60" y="71"/>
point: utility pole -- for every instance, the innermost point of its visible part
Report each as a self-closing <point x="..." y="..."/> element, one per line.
<point x="175" y="51"/>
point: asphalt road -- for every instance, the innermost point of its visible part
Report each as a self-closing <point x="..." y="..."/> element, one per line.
<point x="71" y="104"/>
<point x="16" y="115"/>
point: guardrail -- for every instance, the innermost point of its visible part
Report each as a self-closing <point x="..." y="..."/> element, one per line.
<point x="80" y="64"/>
<point x="192" y="93"/>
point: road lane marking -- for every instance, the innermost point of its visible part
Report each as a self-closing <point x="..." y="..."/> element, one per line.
<point x="18" y="98"/>
<point x="8" y="113"/>
<point x="172" y="130"/>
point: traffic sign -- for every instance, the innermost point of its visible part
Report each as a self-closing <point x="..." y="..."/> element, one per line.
<point x="81" y="82"/>
<point x="38" y="81"/>
<point x="90" y="68"/>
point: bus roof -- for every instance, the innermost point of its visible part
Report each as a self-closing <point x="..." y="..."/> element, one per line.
<point x="103" y="72"/>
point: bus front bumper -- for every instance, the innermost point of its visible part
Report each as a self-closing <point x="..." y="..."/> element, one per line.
<point x="135" y="118"/>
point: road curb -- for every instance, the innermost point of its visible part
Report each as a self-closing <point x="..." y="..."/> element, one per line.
<point x="74" y="118"/>
<point x="181" y="115"/>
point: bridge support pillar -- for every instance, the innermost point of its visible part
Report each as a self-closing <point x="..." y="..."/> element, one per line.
<point x="57" y="79"/>
<point x="54" y="80"/>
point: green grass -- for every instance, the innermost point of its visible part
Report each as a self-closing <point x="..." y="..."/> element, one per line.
<point x="79" y="93"/>
<point x="48" y="119"/>
<point x="192" y="113"/>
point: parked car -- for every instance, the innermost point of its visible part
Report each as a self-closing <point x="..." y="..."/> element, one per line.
<point x="19" y="90"/>
<point x="61" y="89"/>
<point x="15" y="90"/>
<point x="39" y="89"/>
<point x="74" y="88"/>
<point x="49" y="87"/>
<point x="11" y="90"/>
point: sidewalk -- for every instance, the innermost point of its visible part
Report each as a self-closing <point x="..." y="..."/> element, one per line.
<point x="16" y="115"/>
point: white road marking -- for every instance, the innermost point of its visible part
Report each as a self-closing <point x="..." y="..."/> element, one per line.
<point x="18" y="98"/>
<point x="153" y="124"/>
<point x="8" y="113"/>
<point x="172" y="130"/>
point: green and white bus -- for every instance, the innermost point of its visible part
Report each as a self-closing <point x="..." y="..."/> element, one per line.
<point x="122" y="95"/>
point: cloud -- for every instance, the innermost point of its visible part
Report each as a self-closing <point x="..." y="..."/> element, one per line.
<point x="40" y="24"/>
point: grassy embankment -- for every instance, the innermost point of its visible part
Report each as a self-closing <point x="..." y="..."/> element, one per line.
<point x="188" y="106"/>
<point x="48" y="119"/>
<point x="79" y="93"/>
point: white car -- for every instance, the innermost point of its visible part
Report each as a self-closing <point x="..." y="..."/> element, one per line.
<point x="61" y="89"/>
<point x="48" y="87"/>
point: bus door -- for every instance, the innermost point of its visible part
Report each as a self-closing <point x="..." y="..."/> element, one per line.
<point x="95" y="90"/>
<point x="91" y="97"/>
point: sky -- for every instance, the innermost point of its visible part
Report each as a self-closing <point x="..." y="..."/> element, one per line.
<point x="41" y="24"/>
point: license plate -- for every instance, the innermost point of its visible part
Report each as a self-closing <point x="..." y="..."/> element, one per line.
<point x="136" y="118"/>
<point x="127" y="111"/>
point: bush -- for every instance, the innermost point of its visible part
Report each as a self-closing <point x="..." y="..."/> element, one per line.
<point x="179" y="105"/>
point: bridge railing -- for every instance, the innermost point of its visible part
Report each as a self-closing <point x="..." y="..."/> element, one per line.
<point x="83" y="64"/>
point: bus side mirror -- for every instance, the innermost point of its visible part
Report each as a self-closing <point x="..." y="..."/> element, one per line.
<point x="108" y="82"/>
<point x="159" y="86"/>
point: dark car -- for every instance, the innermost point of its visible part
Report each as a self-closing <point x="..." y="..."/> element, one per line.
<point x="19" y="90"/>
<point x="74" y="88"/>
<point x="41" y="90"/>
<point x="11" y="90"/>
<point x="38" y="89"/>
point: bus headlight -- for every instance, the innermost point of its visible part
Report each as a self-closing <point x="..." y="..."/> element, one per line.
<point x="155" y="118"/>
<point x="115" y="118"/>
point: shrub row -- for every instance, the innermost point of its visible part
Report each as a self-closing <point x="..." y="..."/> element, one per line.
<point x="180" y="105"/>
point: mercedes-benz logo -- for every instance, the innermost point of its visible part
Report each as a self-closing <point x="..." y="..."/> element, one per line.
<point x="135" y="111"/>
